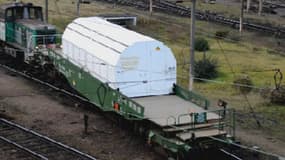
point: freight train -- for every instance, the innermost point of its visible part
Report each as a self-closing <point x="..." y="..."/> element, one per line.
<point x="123" y="73"/>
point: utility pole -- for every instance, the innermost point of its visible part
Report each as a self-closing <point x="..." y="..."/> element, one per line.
<point x="241" y="17"/>
<point x="192" y="46"/>
<point x="46" y="18"/>
<point x="78" y="8"/>
<point x="86" y="124"/>
<point x="150" y="7"/>
<point x="260" y="6"/>
<point x="248" y="3"/>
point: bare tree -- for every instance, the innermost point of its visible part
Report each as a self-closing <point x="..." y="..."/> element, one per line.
<point x="78" y="8"/>
<point x="260" y="7"/>
<point x="46" y="11"/>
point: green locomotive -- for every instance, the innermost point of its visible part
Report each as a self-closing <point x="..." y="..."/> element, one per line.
<point x="22" y="28"/>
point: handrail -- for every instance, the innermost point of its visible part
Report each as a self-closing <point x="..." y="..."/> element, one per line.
<point x="184" y="115"/>
<point x="31" y="38"/>
<point x="132" y="107"/>
<point x="191" y="96"/>
<point x="170" y="117"/>
<point x="224" y="123"/>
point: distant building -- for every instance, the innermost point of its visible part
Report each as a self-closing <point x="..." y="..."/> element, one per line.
<point x="122" y="20"/>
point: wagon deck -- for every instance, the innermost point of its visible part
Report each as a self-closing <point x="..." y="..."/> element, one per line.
<point x="159" y="108"/>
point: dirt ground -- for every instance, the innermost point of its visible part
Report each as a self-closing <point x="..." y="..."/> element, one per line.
<point x="29" y="105"/>
<point x="263" y="141"/>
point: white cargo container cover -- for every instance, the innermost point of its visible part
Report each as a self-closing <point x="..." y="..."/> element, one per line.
<point x="136" y="64"/>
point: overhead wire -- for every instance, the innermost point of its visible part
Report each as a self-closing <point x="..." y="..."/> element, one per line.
<point x="223" y="82"/>
<point x="243" y="94"/>
<point x="226" y="58"/>
<point x="234" y="74"/>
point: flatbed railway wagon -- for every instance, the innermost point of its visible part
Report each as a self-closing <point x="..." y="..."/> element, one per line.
<point x="134" y="76"/>
<point x="124" y="73"/>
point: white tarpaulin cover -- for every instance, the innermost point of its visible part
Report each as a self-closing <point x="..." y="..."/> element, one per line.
<point x="136" y="64"/>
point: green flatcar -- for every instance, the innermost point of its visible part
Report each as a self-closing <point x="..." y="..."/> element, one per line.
<point x="22" y="28"/>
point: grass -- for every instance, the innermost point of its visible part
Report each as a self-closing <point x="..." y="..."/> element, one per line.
<point x="251" y="55"/>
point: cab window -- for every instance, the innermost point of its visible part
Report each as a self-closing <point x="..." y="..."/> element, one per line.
<point x="2" y="15"/>
<point x="9" y="15"/>
<point x="19" y="13"/>
<point x="32" y="13"/>
<point x="35" y="13"/>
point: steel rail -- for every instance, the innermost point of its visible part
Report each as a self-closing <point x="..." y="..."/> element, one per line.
<point x="220" y="19"/>
<point x="45" y="138"/>
<point x="23" y="148"/>
<point x="170" y="7"/>
<point x="230" y="154"/>
<point x="246" y="148"/>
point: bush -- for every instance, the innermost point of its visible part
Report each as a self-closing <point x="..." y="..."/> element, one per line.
<point x="221" y="34"/>
<point x="235" y="36"/>
<point x="206" y="68"/>
<point x="242" y="84"/>
<point x="275" y="96"/>
<point x="278" y="96"/>
<point x="201" y="45"/>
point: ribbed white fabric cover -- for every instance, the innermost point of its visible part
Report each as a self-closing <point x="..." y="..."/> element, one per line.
<point x="136" y="64"/>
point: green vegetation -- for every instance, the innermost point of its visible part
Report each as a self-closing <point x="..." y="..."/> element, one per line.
<point x="60" y="23"/>
<point x="278" y="96"/>
<point x="205" y="68"/>
<point x="242" y="84"/>
<point x="222" y="34"/>
<point x="201" y="45"/>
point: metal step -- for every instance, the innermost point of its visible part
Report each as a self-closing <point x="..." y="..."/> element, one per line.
<point x="191" y="127"/>
<point x="199" y="134"/>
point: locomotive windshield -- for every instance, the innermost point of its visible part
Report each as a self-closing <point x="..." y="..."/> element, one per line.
<point x="26" y="12"/>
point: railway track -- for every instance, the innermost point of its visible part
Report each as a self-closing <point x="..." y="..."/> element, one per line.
<point x="25" y="144"/>
<point x="8" y="150"/>
<point x="274" y="4"/>
<point x="173" y="8"/>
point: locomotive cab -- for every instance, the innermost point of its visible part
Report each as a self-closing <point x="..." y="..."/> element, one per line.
<point x="22" y="27"/>
<point x="22" y="11"/>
